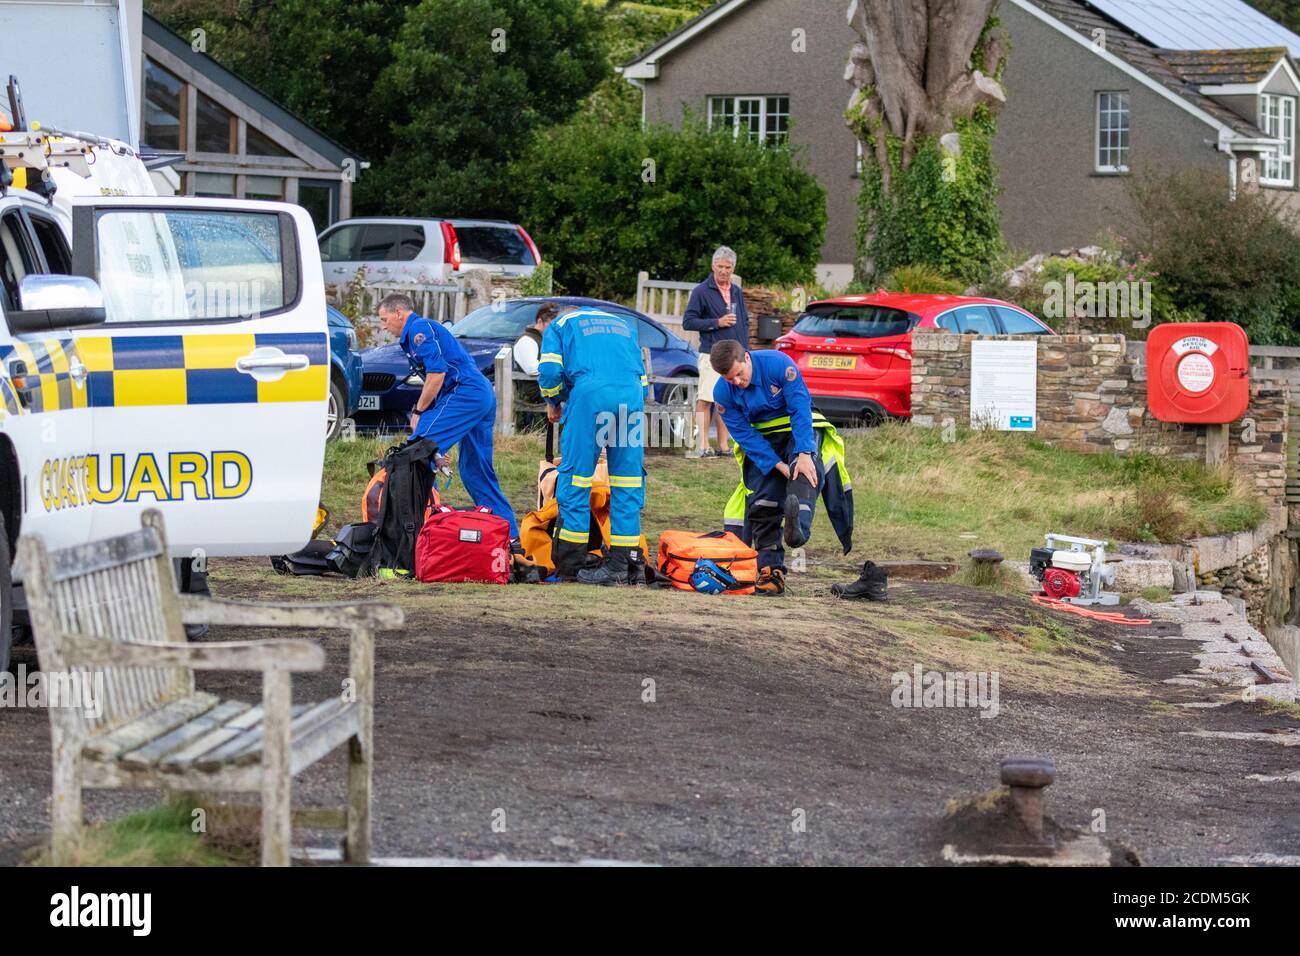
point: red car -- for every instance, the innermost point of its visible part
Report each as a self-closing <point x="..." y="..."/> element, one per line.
<point x="855" y="351"/>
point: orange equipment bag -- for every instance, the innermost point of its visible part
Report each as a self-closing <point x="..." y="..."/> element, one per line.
<point x="374" y="494"/>
<point x="537" y="528"/>
<point x="679" y="550"/>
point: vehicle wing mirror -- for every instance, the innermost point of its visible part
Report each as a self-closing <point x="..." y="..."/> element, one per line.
<point x="48" y="302"/>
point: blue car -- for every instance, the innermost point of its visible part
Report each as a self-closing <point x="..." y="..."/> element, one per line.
<point x="390" y="389"/>
<point x="345" y="371"/>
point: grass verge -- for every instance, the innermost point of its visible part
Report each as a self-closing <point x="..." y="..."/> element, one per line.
<point x="915" y="494"/>
<point x="166" y="835"/>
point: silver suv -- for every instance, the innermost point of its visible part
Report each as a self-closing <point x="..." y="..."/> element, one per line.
<point x="424" y="251"/>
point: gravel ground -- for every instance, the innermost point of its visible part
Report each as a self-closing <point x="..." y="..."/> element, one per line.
<point x="764" y="713"/>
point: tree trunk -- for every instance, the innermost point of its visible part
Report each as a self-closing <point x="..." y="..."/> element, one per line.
<point x="917" y="68"/>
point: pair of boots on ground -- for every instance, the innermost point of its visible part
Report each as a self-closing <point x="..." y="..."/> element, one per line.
<point x="871" y="584"/>
<point x="621" y="566"/>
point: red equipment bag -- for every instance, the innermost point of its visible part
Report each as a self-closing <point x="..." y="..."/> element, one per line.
<point x="456" y="546"/>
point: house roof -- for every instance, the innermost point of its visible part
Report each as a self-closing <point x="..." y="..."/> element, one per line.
<point x="203" y="64"/>
<point x="1138" y="53"/>
<point x="1082" y="20"/>
<point x="1215" y="67"/>
<point x="686" y="31"/>
<point x="1200" y="24"/>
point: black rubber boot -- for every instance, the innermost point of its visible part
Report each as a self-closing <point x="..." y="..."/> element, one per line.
<point x="869" y="586"/>
<point x="636" y="568"/>
<point x="569" y="558"/>
<point x="612" y="571"/>
<point x="797" y="512"/>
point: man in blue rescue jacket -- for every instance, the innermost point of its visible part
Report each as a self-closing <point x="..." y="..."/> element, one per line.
<point x="768" y="411"/>
<point x="456" y="406"/>
<point x="591" y="374"/>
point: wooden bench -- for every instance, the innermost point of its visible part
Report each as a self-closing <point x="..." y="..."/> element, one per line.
<point x="111" y="608"/>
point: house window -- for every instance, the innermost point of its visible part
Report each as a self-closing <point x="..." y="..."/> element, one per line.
<point x="164" y="107"/>
<point x="1112" y="132"/>
<point x="760" y="119"/>
<point x="258" y="143"/>
<point x="216" y="132"/>
<point x="1277" y="119"/>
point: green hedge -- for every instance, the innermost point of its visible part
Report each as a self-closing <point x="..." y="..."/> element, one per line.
<point x="607" y="201"/>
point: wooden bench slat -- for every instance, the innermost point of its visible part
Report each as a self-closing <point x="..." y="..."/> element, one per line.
<point x="155" y="750"/>
<point x="224" y="753"/>
<point x="84" y="559"/>
<point x="184" y="759"/>
<point x="321" y="713"/>
<point x="308" y="747"/>
<point x="148" y="727"/>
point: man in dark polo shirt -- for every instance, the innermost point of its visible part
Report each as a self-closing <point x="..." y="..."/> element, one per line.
<point x="716" y="310"/>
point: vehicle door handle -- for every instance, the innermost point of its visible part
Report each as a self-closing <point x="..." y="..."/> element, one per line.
<point x="268" y="364"/>
<point x="77" y="371"/>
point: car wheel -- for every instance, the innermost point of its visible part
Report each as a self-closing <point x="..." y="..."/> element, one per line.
<point x="680" y="427"/>
<point x="6" y="600"/>
<point x="334" y="411"/>
<point x="872" y="415"/>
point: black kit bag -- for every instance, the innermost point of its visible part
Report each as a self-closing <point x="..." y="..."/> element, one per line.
<point x="350" y="554"/>
<point x="408" y="490"/>
<point x="311" y="560"/>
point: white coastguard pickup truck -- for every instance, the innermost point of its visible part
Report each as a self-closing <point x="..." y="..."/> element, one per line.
<point x="155" y="352"/>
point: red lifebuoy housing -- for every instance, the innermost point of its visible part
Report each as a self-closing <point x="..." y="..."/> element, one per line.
<point x="1198" y="372"/>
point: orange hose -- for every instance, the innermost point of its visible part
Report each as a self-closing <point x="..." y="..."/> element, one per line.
<point x="1110" y="617"/>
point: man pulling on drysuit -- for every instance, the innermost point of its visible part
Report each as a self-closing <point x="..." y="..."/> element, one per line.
<point x="456" y="406"/>
<point x="768" y="411"/>
<point x="591" y="375"/>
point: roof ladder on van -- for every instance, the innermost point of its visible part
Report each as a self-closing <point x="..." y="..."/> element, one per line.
<point x="28" y="152"/>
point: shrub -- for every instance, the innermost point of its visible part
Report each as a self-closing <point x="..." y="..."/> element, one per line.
<point x="923" y="279"/>
<point x="541" y="282"/>
<point x="945" y="216"/>
<point x="1233" y="260"/>
<point x="610" y="201"/>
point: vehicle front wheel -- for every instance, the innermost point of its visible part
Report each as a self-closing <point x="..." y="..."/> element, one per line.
<point x="334" y="411"/>
<point x="6" y="600"/>
<point x="681" y="426"/>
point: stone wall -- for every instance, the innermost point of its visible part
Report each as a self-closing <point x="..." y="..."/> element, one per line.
<point x="1092" y="398"/>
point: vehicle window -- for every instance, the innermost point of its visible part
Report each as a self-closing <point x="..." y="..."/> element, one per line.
<point x="189" y="265"/>
<point x="497" y="322"/>
<point x="390" y="242"/>
<point x="49" y="237"/>
<point x="16" y="259"/>
<point x="649" y="336"/>
<point x="493" y="245"/>
<point x="975" y="320"/>
<point x="947" y="321"/>
<point x="341" y="244"/>
<point x="854" y="321"/>
<point x="1017" y="323"/>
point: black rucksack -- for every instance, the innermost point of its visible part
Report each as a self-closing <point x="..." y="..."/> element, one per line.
<point x="408" y="489"/>
<point x="351" y="552"/>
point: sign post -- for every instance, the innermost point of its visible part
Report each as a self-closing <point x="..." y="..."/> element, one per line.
<point x="1004" y="385"/>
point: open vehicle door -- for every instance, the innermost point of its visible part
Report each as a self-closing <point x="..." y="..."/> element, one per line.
<point x="209" y="380"/>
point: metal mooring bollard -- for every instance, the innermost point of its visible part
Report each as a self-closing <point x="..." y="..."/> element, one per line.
<point x="1027" y="777"/>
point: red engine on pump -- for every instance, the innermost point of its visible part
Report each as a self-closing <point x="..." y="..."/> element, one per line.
<point x="1059" y="583"/>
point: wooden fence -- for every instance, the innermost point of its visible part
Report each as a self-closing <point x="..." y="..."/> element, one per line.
<point x="667" y="425"/>
<point x="665" y="302"/>
<point x="444" y="302"/>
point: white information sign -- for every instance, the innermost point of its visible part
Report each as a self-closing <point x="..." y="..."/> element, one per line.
<point x="1004" y="385"/>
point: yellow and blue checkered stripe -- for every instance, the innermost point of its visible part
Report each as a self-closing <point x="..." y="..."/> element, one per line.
<point x="142" y="370"/>
<point x="49" y="383"/>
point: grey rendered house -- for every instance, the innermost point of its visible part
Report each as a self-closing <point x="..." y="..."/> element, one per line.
<point x="1093" y="91"/>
